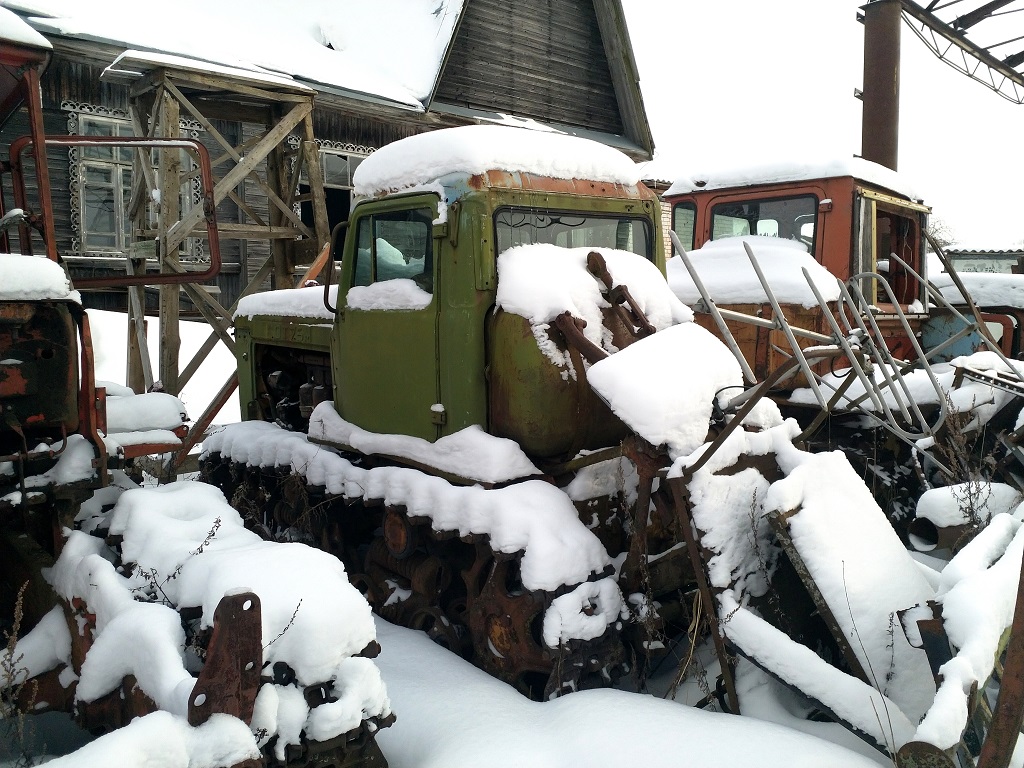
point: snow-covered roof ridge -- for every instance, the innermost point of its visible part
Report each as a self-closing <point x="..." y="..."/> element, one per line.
<point x="987" y="289"/>
<point x="476" y="149"/>
<point x="777" y="172"/>
<point x="13" y="29"/>
<point x="388" y="49"/>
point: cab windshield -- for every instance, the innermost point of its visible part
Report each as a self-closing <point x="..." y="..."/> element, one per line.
<point x="525" y="226"/>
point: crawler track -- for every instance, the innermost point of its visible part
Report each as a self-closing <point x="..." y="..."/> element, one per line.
<point x="458" y="587"/>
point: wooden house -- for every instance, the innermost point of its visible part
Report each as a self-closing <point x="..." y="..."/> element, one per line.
<point x="342" y="78"/>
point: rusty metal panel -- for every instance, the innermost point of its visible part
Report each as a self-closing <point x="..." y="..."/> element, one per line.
<point x="234" y="660"/>
<point x="39" y="372"/>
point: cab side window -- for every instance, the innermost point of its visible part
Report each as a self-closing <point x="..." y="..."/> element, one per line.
<point x="393" y="245"/>
<point x="684" y="218"/>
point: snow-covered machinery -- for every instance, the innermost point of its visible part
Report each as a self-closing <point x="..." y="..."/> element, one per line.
<point x="840" y="249"/>
<point x="516" y="439"/>
<point x="411" y="419"/>
<point x="158" y="604"/>
<point x="914" y="385"/>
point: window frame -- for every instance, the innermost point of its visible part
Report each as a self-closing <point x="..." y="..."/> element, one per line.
<point x="811" y="196"/>
<point x="690" y="206"/>
<point x="370" y="218"/>
<point x="121" y="178"/>
<point x="638" y="218"/>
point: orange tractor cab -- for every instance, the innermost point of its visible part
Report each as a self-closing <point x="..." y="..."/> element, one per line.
<point x="854" y="217"/>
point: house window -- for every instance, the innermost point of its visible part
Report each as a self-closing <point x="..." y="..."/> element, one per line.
<point x="101" y="184"/>
<point x="338" y="167"/>
<point x="337" y="164"/>
<point x="104" y="187"/>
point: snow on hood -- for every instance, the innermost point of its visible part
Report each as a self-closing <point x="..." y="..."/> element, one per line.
<point x="701" y="180"/>
<point x="725" y="271"/>
<point x="388" y="48"/>
<point x="541" y="281"/>
<point x="469" y="453"/>
<point x="34" y="278"/>
<point x="473" y="149"/>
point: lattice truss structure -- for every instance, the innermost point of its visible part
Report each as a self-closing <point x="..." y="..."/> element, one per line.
<point x="983" y="39"/>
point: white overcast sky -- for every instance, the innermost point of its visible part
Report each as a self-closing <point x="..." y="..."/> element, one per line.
<point x="732" y="81"/>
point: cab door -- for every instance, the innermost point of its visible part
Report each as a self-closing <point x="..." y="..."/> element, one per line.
<point x="385" y="361"/>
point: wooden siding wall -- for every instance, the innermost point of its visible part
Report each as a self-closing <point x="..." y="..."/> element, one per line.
<point x="67" y="80"/>
<point x="361" y="130"/>
<point x="532" y="58"/>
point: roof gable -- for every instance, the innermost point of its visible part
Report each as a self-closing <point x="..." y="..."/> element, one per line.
<point x="561" y="62"/>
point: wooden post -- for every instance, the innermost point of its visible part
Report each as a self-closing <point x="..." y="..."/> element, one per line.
<point x="140" y="369"/>
<point x="277" y="179"/>
<point x="311" y="156"/>
<point x="170" y="298"/>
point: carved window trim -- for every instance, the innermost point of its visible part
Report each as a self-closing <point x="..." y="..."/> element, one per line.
<point x="194" y="247"/>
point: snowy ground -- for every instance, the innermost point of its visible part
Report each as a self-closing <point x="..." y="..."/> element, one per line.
<point x="451" y="714"/>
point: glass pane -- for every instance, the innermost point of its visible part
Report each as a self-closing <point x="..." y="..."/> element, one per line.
<point x="92" y="127"/>
<point x="353" y="163"/>
<point x="785" y="217"/>
<point x="336" y="170"/>
<point x="96" y="175"/>
<point x="404" y="247"/>
<point x="93" y="241"/>
<point x="684" y="217"/>
<point x="98" y="209"/>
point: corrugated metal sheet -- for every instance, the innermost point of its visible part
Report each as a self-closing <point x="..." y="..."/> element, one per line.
<point x="535" y="58"/>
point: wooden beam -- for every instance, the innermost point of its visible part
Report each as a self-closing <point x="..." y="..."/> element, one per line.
<point x="311" y="153"/>
<point x="170" y="298"/>
<point x="143" y="177"/>
<point x="277" y="177"/>
<point x="231" y="180"/>
<point x="212" y="311"/>
<point x="246" y="209"/>
<point x="242" y="232"/>
<point x="238" y="149"/>
<point x="273" y="196"/>
<point x="140" y="366"/>
<point x="227" y="87"/>
<point x="200" y="357"/>
<point x="215" y="108"/>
